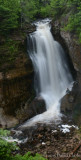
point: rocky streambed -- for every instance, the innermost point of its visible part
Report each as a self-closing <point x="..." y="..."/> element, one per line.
<point x="55" y="142"/>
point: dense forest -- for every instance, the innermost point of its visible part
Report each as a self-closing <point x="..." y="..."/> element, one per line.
<point x="15" y="14"/>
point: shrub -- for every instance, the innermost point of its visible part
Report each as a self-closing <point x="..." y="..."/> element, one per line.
<point x="6" y="150"/>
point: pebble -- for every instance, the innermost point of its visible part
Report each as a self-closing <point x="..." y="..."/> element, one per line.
<point x="48" y="143"/>
<point x="64" y="149"/>
<point x="40" y="136"/>
<point x="38" y="145"/>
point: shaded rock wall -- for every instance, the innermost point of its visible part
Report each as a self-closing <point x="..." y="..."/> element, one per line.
<point x="72" y="101"/>
<point x="16" y="78"/>
<point x="16" y="87"/>
<point x="75" y="54"/>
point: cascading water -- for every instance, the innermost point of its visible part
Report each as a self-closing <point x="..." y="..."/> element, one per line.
<point x="51" y="70"/>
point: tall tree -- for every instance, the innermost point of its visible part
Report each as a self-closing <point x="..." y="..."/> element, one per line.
<point x="9" y="15"/>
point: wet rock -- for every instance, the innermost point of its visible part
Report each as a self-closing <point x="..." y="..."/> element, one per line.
<point x="76" y="67"/>
<point x="1" y="75"/>
<point x="71" y="99"/>
<point x="40" y="136"/>
<point x="45" y="153"/>
<point x="77" y="113"/>
<point x="72" y="49"/>
<point x="1" y="126"/>
<point x="64" y="149"/>
<point x="41" y="128"/>
<point x="38" y="145"/>
<point x="12" y="132"/>
<point x="48" y="143"/>
<point x="37" y="106"/>
<point x="51" y="148"/>
<point x="65" y="105"/>
<point x="48" y="130"/>
<point x="7" y="121"/>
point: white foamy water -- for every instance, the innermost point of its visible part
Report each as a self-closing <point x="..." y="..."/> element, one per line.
<point x="52" y="75"/>
<point x="66" y="128"/>
<point x="10" y="139"/>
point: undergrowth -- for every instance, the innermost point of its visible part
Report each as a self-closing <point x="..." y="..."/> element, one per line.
<point x="7" y="149"/>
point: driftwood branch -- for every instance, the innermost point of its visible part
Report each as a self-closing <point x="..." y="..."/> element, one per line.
<point x="75" y="150"/>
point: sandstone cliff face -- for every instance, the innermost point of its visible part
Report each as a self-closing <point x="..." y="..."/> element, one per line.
<point x="72" y="101"/>
<point x="75" y="54"/>
<point x="16" y="80"/>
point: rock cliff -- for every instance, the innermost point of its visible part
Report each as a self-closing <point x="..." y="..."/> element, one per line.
<point x="69" y="41"/>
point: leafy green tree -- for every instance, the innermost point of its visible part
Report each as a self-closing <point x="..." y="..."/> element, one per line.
<point x="74" y="20"/>
<point x="29" y="9"/>
<point x="9" y="15"/>
<point x="35" y="9"/>
<point x="14" y="14"/>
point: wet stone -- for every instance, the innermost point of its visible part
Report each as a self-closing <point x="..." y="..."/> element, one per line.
<point x="48" y="143"/>
<point x="71" y="99"/>
<point x="38" y="145"/>
<point x="40" y="136"/>
<point x="64" y="149"/>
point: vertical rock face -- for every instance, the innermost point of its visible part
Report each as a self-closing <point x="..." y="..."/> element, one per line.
<point x="72" y="101"/>
<point x="75" y="54"/>
<point x="16" y="78"/>
<point x="16" y="87"/>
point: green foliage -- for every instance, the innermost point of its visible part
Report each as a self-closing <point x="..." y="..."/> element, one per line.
<point x="56" y="9"/>
<point x="9" y="15"/>
<point x="6" y="150"/>
<point x="5" y="147"/>
<point x="29" y="9"/>
<point x="16" y="13"/>
<point x="74" y="20"/>
<point x="44" y="11"/>
<point x="28" y="156"/>
<point x="4" y="132"/>
<point x="8" y="51"/>
<point x="34" y="9"/>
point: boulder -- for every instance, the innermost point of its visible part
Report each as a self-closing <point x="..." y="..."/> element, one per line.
<point x="37" y="106"/>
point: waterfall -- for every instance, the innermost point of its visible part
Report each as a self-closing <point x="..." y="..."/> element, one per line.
<point x="52" y="75"/>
